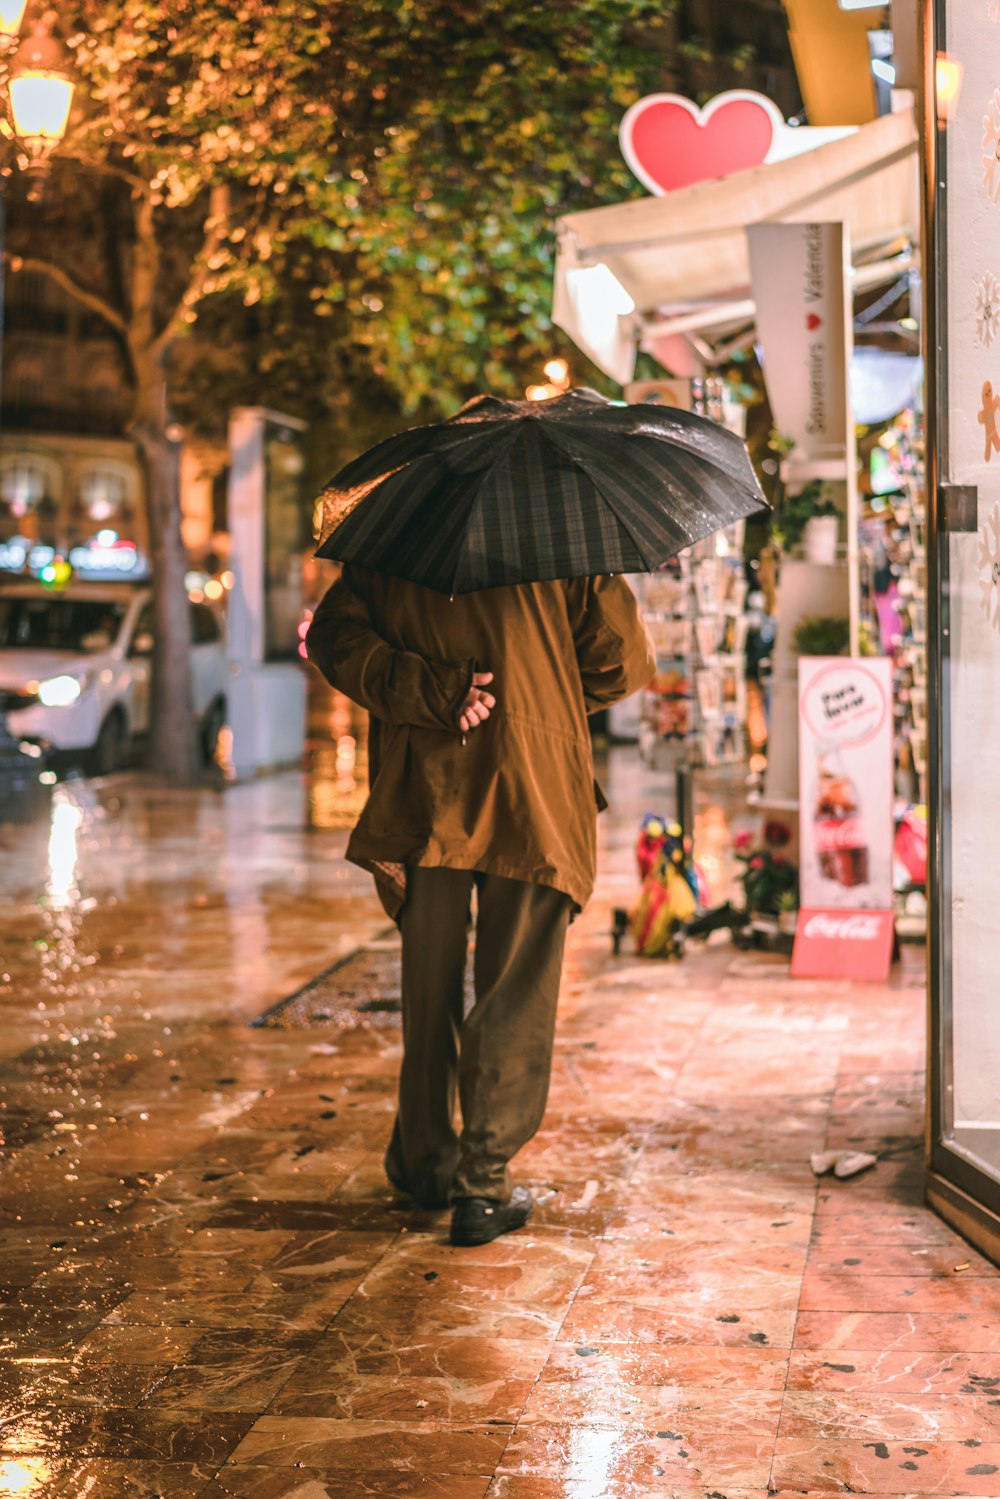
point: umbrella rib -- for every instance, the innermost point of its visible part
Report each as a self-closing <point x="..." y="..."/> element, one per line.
<point x="626" y="527"/>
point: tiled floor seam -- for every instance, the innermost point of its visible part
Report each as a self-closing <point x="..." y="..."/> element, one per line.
<point x="772" y="1482"/>
<point x="771" y="1487"/>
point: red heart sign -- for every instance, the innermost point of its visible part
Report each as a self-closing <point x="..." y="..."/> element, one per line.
<point x="814" y="321"/>
<point x="670" y="143"/>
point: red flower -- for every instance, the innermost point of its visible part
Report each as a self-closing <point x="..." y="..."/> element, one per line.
<point x="777" y="834"/>
<point x="742" y="842"/>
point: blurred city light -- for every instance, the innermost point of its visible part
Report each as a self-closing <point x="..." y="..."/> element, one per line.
<point x="948" y="86"/>
<point x="40" y="103"/>
<point x="59" y="692"/>
<point x="11" y="16"/>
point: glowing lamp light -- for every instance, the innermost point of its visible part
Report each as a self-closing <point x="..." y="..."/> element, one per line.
<point x="41" y="95"/>
<point x="557" y="370"/>
<point x="11" y="16"/>
<point x="948" y="86"/>
<point x="40" y="104"/>
<point x="214" y="589"/>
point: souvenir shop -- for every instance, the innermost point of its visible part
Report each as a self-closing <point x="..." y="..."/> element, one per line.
<point x="784" y="301"/>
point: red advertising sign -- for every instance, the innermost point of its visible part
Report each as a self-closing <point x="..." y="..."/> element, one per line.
<point x="845" y="927"/>
<point x="843" y="944"/>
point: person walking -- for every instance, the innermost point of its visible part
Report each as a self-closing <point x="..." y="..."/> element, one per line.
<point x="481" y="783"/>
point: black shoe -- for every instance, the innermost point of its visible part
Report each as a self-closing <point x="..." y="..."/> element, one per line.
<point x="478" y="1220"/>
<point x="425" y="1196"/>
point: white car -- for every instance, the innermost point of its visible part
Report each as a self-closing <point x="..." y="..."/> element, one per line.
<point x="75" y="669"/>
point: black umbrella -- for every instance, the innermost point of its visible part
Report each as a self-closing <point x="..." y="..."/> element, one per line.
<point x="521" y="491"/>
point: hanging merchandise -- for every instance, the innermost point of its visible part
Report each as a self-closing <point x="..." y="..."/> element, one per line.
<point x="895" y="582"/>
<point x="694" y="711"/>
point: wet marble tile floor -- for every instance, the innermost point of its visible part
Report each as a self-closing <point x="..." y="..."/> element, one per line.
<point x="207" y="1289"/>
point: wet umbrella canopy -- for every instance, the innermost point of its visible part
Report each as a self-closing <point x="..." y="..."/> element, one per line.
<point x="511" y="492"/>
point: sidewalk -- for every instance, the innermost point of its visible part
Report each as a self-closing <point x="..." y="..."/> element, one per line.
<point x="207" y="1290"/>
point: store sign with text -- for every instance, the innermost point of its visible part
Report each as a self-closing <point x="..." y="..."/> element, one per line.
<point x="845" y="927"/>
<point x="798" y="278"/>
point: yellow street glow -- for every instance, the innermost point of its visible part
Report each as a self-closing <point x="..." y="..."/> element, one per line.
<point x="948" y="80"/>
<point x="40" y="104"/>
<point x="11" y="16"/>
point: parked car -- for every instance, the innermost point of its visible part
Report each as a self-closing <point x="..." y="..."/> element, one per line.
<point x="75" y="669"/>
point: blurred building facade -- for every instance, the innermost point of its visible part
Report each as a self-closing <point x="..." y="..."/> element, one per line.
<point x="68" y="469"/>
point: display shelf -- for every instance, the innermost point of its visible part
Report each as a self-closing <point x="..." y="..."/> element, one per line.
<point x="895" y="543"/>
<point x="694" y="711"/>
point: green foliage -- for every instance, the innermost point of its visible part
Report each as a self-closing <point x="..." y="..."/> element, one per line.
<point x="822" y="635"/>
<point x="379" y="183"/>
<point x="388" y="173"/>
<point x="868" y="638"/>
<point x="770" y="879"/>
<point x="794" y="515"/>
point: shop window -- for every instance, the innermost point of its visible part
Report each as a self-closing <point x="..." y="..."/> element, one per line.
<point x="22" y="487"/>
<point x="102" y="493"/>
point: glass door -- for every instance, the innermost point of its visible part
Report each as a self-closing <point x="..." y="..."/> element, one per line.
<point x="962" y="277"/>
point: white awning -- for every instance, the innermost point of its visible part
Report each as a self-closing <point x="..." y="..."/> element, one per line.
<point x="682" y="260"/>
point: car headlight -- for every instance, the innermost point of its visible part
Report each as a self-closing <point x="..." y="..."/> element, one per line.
<point x="61" y="692"/>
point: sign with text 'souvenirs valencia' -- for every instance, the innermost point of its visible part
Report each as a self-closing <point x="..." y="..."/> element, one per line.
<point x="797" y="273"/>
<point x="845" y="927"/>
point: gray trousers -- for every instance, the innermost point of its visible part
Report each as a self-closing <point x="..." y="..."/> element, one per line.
<point x="498" y="1057"/>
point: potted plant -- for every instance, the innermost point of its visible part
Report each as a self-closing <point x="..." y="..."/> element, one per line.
<point x="822" y="635"/>
<point x="810" y="517"/>
<point x="788" y="912"/>
<point x="770" y="879"/>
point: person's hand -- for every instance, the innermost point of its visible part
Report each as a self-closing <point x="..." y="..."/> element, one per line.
<point x="478" y="702"/>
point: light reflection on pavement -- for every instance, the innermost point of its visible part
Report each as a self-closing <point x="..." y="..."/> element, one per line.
<point x="207" y="1288"/>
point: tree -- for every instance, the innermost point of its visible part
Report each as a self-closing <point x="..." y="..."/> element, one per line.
<point x="199" y="115"/>
<point x="356" y="200"/>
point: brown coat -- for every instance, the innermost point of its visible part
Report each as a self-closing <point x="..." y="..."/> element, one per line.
<point x="516" y="795"/>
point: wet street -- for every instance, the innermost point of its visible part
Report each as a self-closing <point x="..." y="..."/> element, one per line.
<point x="208" y="1290"/>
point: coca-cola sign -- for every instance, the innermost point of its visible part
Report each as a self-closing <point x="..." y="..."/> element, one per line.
<point x="845" y="816"/>
<point x="845" y="783"/>
<point x="857" y="926"/>
<point x="843" y="944"/>
<point x="835" y="833"/>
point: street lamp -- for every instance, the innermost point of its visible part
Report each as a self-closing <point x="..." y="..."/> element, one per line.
<point x="39" y="93"/>
<point x="11" y="16"/>
<point x="40" y="90"/>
